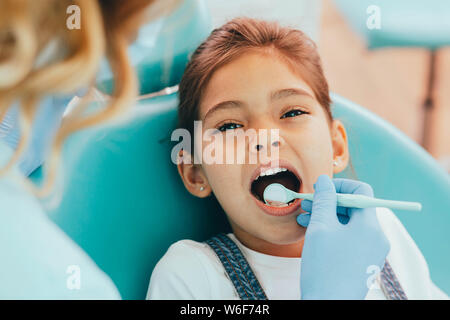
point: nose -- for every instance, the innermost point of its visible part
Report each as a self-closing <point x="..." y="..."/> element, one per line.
<point x="262" y="141"/>
<point x="259" y="147"/>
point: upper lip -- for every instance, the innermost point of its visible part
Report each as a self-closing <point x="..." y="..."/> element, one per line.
<point x="280" y="163"/>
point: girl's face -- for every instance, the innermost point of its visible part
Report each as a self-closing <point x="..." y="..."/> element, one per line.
<point x="262" y="92"/>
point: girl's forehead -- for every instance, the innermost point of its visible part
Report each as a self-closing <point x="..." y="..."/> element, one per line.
<point x="252" y="74"/>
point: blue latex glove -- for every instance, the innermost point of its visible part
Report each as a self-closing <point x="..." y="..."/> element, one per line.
<point x="340" y="243"/>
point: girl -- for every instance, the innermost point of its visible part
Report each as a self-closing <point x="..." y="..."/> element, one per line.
<point x="252" y="74"/>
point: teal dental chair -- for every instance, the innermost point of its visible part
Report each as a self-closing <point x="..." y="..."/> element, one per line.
<point x="124" y="203"/>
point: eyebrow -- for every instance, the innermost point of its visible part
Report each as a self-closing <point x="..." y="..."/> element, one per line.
<point x="232" y="104"/>
<point x="284" y="93"/>
<point x="276" y="95"/>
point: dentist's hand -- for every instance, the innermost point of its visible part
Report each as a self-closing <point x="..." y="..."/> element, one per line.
<point x="340" y="243"/>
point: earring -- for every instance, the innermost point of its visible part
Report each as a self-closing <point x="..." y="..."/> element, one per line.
<point x="202" y="188"/>
<point x="335" y="163"/>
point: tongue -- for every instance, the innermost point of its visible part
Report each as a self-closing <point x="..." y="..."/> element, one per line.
<point x="285" y="178"/>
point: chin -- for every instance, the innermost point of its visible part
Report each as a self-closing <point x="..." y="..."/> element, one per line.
<point x="285" y="234"/>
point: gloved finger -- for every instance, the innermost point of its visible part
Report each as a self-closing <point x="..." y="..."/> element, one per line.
<point x="343" y="218"/>
<point x="324" y="201"/>
<point x="306" y="205"/>
<point x="303" y="219"/>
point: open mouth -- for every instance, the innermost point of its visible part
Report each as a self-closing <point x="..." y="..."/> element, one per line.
<point x="280" y="175"/>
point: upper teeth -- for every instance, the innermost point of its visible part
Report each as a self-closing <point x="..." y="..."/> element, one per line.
<point x="270" y="172"/>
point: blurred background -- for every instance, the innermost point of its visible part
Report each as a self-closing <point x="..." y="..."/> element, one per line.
<point x="396" y="70"/>
<point x="392" y="82"/>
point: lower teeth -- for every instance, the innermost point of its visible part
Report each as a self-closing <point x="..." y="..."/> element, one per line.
<point x="276" y="204"/>
<point x="279" y="204"/>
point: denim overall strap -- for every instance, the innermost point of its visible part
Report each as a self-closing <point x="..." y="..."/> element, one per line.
<point x="237" y="268"/>
<point x="390" y="284"/>
<point x="248" y="287"/>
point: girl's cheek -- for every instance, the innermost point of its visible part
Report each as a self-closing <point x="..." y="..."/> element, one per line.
<point x="223" y="180"/>
<point x="313" y="145"/>
<point x="317" y="135"/>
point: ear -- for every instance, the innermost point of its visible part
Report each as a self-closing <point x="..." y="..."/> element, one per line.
<point x="340" y="146"/>
<point x="193" y="175"/>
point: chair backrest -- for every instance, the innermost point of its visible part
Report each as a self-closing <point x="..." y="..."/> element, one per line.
<point x="39" y="261"/>
<point x="399" y="23"/>
<point x="124" y="202"/>
<point x="159" y="61"/>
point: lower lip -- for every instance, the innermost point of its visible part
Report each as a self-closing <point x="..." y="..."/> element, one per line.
<point x="279" y="211"/>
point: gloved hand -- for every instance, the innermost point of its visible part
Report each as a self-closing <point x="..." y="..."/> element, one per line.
<point x="340" y="243"/>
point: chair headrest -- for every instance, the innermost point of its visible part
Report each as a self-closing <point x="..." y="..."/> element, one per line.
<point x="163" y="47"/>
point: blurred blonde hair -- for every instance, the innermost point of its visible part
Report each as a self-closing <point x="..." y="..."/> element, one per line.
<point x="27" y="27"/>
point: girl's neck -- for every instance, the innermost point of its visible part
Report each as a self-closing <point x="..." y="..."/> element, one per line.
<point x="292" y="250"/>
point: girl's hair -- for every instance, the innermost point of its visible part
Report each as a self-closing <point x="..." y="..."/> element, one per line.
<point x="236" y="37"/>
<point x="28" y="27"/>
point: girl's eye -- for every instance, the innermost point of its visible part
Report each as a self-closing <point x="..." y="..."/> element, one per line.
<point x="229" y="126"/>
<point x="292" y="113"/>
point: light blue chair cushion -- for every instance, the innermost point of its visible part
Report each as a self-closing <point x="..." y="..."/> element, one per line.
<point x="404" y="23"/>
<point x="38" y="260"/>
<point x="124" y="202"/>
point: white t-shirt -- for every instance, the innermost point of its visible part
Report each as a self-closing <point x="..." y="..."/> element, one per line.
<point x="191" y="270"/>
